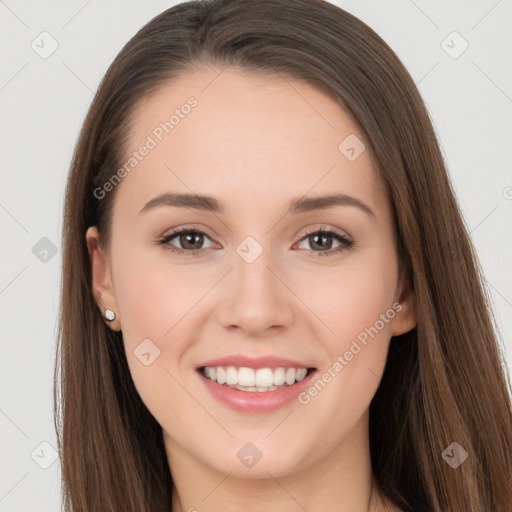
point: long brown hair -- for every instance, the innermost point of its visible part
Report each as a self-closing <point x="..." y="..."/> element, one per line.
<point x="445" y="380"/>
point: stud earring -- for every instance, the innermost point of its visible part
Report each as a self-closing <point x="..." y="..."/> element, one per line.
<point x="109" y="315"/>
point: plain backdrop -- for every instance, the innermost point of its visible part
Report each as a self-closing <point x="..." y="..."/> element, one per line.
<point x="43" y="103"/>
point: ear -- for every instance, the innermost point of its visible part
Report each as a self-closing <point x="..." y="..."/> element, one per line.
<point x="101" y="277"/>
<point x="405" y="318"/>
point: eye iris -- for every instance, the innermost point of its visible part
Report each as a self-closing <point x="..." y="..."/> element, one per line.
<point x="185" y="239"/>
<point x="323" y="238"/>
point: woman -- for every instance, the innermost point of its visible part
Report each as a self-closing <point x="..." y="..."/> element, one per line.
<point x="273" y="370"/>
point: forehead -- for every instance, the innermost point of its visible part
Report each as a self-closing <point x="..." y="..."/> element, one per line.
<point x="217" y="131"/>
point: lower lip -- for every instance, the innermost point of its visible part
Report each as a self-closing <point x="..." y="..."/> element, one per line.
<point x="256" y="401"/>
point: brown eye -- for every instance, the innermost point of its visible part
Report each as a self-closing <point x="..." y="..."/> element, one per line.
<point x="189" y="242"/>
<point x="321" y="242"/>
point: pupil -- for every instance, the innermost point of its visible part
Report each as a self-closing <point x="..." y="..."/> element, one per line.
<point x="185" y="239"/>
<point x="323" y="237"/>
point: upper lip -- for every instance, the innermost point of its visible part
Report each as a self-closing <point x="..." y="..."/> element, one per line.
<point x="240" y="360"/>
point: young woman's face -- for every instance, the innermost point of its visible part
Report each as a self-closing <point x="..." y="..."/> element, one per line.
<point x="264" y="291"/>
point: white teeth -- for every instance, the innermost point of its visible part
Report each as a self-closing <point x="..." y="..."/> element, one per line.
<point x="255" y="389"/>
<point x="221" y="375"/>
<point x="301" y="373"/>
<point x="265" y="378"/>
<point x="246" y="377"/>
<point x="261" y="380"/>
<point x="231" y="376"/>
<point x="279" y="376"/>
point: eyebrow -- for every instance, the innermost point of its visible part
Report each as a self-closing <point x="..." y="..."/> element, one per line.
<point x="210" y="204"/>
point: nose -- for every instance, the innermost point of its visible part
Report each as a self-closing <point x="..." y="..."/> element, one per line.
<point x="257" y="299"/>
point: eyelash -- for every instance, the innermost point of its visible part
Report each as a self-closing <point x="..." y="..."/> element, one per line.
<point x="346" y="244"/>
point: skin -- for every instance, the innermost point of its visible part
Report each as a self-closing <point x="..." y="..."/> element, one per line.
<point x="255" y="143"/>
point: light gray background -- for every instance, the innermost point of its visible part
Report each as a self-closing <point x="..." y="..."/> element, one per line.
<point x="44" y="102"/>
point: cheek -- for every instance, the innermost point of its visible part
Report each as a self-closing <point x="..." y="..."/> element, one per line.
<point x="156" y="305"/>
<point x="155" y="297"/>
<point x="357" y="306"/>
<point x="359" y="309"/>
<point x="351" y="299"/>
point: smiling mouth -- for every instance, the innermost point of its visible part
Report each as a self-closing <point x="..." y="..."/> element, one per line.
<point x="255" y="380"/>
